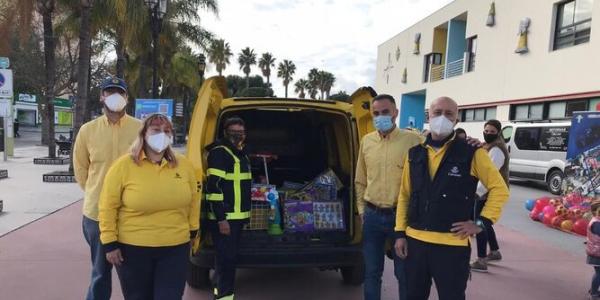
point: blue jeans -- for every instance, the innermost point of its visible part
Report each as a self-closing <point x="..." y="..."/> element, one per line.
<point x="595" y="281"/>
<point x="378" y="227"/>
<point x="101" y="283"/>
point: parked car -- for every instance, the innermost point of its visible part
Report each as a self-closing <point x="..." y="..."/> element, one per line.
<point x="538" y="152"/>
<point x="308" y="137"/>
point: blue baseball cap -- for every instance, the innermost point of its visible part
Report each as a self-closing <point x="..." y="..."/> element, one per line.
<point x="113" y="81"/>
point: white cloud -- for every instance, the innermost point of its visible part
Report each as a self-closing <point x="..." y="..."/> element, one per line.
<point x="339" y="36"/>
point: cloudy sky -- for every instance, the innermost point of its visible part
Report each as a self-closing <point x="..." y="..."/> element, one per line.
<point x="339" y="36"/>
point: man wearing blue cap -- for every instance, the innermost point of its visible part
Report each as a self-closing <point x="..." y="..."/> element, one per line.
<point x="99" y="143"/>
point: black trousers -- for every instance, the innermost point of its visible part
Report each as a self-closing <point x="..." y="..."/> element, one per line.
<point x="448" y="266"/>
<point x="226" y="247"/>
<point x="153" y="272"/>
<point x="485" y="236"/>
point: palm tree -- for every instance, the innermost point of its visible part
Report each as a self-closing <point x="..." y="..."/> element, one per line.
<point x="313" y="82"/>
<point x="265" y="63"/>
<point x="83" y="65"/>
<point x="47" y="9"/>
<point x="246" y="59"/>
<point x="329" y="81"/>
<point x="219" y="54"/>
<point x="285" y="71"/>
<point x="23" y="11"/>
<point x="301" y="86"/>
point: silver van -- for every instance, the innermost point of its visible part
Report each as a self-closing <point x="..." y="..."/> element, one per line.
<point x="538" y="152"/>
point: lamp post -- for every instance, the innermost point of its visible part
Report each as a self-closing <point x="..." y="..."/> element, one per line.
<point x="158" y="10"/>
<point x="186" y="102"/>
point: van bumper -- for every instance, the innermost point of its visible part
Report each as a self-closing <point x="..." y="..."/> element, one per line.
<point x="321" y="257"/>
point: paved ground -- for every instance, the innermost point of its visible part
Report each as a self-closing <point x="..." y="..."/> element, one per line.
<point x="48" y="259"/>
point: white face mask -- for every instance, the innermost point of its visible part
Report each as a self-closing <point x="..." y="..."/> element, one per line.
<point x="115" y="102"/>
<point x="441" y="126"/>
<point x="159" y="142"/>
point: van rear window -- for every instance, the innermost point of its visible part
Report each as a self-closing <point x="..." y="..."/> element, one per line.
<point x="527" y="138"/>
<point x="554" y="138"/>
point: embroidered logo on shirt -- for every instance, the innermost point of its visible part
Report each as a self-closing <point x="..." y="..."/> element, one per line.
<point x="177" y="176"/>
<point x="454" y="172"/>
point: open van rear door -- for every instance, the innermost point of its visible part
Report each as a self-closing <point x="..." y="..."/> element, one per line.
<point x="202" y="127"/>
<point x="204" y="120"/>
<point x="361" y="105"/>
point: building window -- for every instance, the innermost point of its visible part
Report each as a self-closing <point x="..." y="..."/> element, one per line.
<point x="490" y="113"/>
<point x="480" y="114"/>
<point x="557" y="110"/>
<point x="595" y="104"/>
<point x="477" y="114"/>
<point x="427" y="66"/>
<point x="529" y="112"/>
<point x="471" y="53"/>
<point x="573" y="23"/>
<point x="573" y="106"/>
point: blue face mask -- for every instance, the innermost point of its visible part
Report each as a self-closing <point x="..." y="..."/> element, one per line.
<point x="383" y="123"/>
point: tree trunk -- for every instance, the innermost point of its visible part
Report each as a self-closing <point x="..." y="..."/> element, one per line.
<point x="286" y="88"/>
<point x="143" y="88"/>
<point x="120" y="49"/>
<point x="83" y="67"/>
<point x="247" y="80"/>
<point x="50" y="62"/>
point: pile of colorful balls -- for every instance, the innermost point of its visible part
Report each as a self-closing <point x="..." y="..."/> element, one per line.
<point x="570" y="213"/>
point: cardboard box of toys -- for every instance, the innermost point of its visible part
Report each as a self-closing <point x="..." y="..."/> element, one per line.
<point x="259" y="192"/>
<point x="315" y="206"/>
<point x="299" y="216"/>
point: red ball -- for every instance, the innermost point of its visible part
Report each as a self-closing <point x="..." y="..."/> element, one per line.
<point x="580" y="227"/>
<point x="549" y="209"/>
<point x="534" y="215"/>
<point x="541" y="203"/>
<point x="556" y="221"/>
<point x="548" y="219"/>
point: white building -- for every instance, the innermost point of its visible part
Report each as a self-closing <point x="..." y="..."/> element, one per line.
<point x="455" y="52"/>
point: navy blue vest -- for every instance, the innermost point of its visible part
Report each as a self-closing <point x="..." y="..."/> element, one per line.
<point x="450" y="197"/>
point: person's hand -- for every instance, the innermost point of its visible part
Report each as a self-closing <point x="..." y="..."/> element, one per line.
<point x="401" y="248"/>
<point x="474" y="142"/>
<point x="224" y="228"/>
<point x="114" y="257"/>
<point x="465" y="229"/>
<point x="361" y="217"/>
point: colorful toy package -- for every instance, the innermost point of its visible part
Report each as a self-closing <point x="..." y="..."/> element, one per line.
<point x="328" y="215"/>
<point x="260" y="192"/>
<point x="299" y="216"/>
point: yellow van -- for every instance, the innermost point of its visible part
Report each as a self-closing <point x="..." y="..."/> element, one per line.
<point x="308" y="137"/>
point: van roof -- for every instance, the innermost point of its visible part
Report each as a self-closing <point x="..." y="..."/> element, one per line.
<point x="538" y="124"/>
<point x="288" y="102"/>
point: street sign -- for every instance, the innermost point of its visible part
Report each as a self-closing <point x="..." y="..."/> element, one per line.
<point x="146" y="107"/>
<point x="4" y="63"/>
<point x="6" y="83"/>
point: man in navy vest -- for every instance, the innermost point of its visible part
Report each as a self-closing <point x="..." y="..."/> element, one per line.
<point x="435" y="212"/>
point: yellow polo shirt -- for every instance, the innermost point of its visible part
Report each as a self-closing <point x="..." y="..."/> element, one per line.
<point x="150" y="204"/>
<point x="99" y="143"/>
<point x="482" y="167"/>
<point x="379" y="167"/>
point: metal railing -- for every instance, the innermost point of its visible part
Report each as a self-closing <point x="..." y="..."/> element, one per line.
<point x="437" y="72"/>
<point x="455" y="68"/>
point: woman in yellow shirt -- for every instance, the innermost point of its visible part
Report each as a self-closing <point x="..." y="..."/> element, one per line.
<point x="149" y="211"/>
